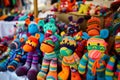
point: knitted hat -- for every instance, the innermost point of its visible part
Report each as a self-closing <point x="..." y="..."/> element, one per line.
<point x="93" y="26"/>
<point x="93" y="20"/>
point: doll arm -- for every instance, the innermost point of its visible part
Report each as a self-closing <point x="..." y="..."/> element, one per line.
<point x="109" y="69"/>
<point x="83" y="63"/>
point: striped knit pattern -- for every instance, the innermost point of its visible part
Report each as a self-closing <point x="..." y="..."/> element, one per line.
<point x="44" y="68"/>
<point x="50" y="55"/>
<point x="89" y="62"/>
<point x="110" y="73"/>
<point x="53" y="64"/>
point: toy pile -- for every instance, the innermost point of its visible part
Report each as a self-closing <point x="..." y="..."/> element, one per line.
<point x="80" y="7"/>
<point x="47" y="49"/>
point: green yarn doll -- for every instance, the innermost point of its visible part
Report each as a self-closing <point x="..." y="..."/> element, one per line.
<point x="70" y="59"/>
<point x="95" y="59"/>
<point x="49" y="63"/>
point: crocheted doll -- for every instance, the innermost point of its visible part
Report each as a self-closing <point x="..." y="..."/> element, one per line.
<point x="83" y="8"/>
<point x="70" y="59"/>
<point x="63" y="6"/>
<point x="15" y="52"/>
<point x="113" y="67"/>
<point x="19" y="56"/>
<point x="30" y="68"/>
<point x="49" y="63"/>
<point x="73" y="26"/>
<point x="95" y="59"/>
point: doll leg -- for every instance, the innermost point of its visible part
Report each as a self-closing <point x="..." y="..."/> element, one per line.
<point x="52" y="74"/>
<point x="64" y="74"/>
<point x="43" y="72"/>
<point x="3" y="65"/>
<point x="23" y="69"/>
<point x="90" y="75"/>
<point x="14" y="64"/>
<point x="75" y="75"/>
<point x="32" y="73"/>
<point x="101" y="75"/>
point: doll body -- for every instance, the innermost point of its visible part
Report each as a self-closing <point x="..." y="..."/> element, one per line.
<point x="70" y="59"/>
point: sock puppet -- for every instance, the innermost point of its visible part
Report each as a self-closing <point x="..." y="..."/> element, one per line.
<point x="30" y="68"/>
<point x="95" y="59"/>
<point x="113" y="67"/>
<point x="70" y="59"/>
<point x="49" y="64"/>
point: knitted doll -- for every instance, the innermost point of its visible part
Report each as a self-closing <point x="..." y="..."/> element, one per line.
<point x="63" y="6"/>
<point x="73" y="26"/>
<point x="15" y="51"/>
<point x="95" y="59"/>
<point x="71" y="4"/>
<point x="70" y="59"/>
<point x="49" y="63"/>
<point x="113" y="67"/>
<point x="30" y="68"/>
<point x="83" y="8"/>
<point x="19" y="56"/>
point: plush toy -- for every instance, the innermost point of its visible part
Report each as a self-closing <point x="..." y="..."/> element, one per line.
<point x="95" y="59"/>
<point x="30" y="68"/>
<point x="93" y="26"/>
<point x="71" y="4"/>
<point x="113" y="70"/>
<point x="40" y="25"/>
<point x="14" y="54"/>
<point x="49" y="63"/>
<point x="70" y="59"/>
<point x="81" y="44"/>
<point x="73" y="26"/>
<point x="83" y="8"/>
<point x="63" y="6"/>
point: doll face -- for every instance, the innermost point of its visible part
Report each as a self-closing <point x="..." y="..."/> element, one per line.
<point x="47" y="46"/>
<point x="73" y="28"/>
<point x="68" y="46"/>
<point x="30" y="44"/>
<point x="96" y="47"/>
<point x="93" y="30"/>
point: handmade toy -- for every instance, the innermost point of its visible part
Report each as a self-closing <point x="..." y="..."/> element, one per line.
<point x="112" y="69"/>
<point x="83" y="8"/>
<point x="70" y="59"/>
<point x="73" y="26"/>
<point x="95" y="59"/>
<point x="15" y="52"/>
<point x="49" y="63"/>
<point x="93" y="26"/>
<point x="66" y="5"/>
<point x="40" y="25"/>
<point x="81" y="44"/>
<point x="71" y="4"/>
<point x="30" y="68"/>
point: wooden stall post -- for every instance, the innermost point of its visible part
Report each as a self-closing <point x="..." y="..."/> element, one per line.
<point x="35" y="9"/>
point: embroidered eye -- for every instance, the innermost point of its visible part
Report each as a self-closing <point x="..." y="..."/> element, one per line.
<point x="63" y="40"/>
<point x="98" y="44"/>
<point x="89" y="44"/>
<point x="67" y="41"/>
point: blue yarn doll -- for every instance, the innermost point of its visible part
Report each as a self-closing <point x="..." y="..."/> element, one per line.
<point x="95" y="59"/>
